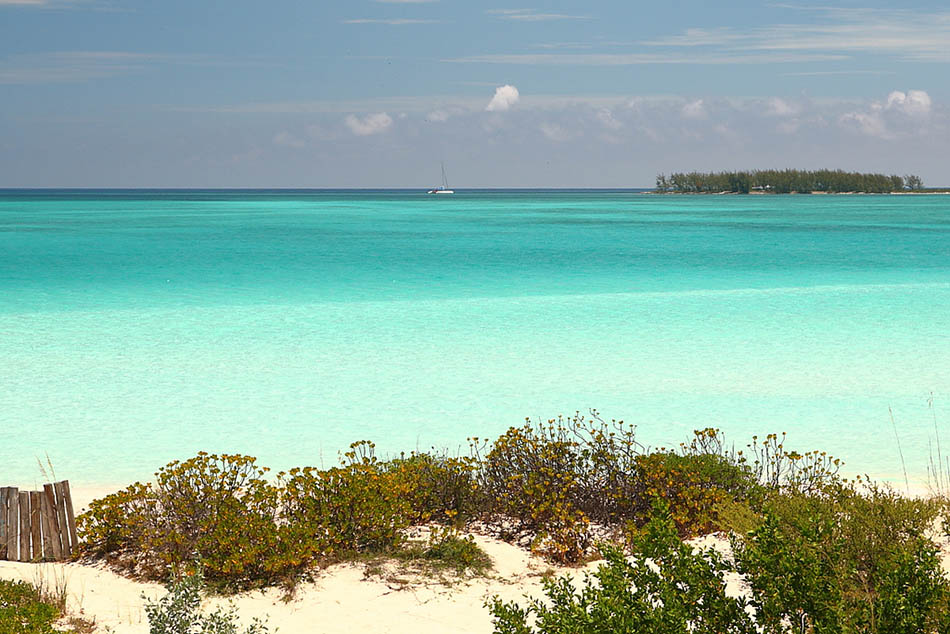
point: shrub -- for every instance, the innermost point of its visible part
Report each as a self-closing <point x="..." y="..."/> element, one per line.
<point x="116" y="522"/>
<point x="215" y="513"/>
<point x="554" y="483"/>
<point x="447" y="550"/>
<point x="22" y="611"/>
<point x="357" y="507"/>
<point x="846" y="560"/>
<point x="439" y="488"/>
<point x="789" y="471"/>
<point x="667" y="588"/>
<point x="178" y="612"/>
<point x="531" y="477"/>
<point x="695" y="487"/>
<point x="552" y="479"/>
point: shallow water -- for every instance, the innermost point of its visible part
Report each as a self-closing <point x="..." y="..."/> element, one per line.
<point x="136" y="328"/>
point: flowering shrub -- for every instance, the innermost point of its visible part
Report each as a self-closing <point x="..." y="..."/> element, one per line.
<point x="214" y="512"/>
<point x="439" y="488"/>
<point x="356" y="507"/>
<point x="550" y="483"/>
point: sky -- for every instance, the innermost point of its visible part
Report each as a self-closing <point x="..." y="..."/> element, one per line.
<point x="376" y="93"/>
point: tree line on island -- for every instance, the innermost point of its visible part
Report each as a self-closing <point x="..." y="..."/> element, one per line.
<point x="785" y="182"/>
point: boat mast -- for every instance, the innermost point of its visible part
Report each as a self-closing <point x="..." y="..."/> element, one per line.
<point x="445" y="184"/>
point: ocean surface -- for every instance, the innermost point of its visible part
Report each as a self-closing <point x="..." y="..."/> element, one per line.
<point x="138" y="327"/>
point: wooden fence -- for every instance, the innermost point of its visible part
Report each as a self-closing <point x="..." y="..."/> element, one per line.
<point x="37" y="525"/>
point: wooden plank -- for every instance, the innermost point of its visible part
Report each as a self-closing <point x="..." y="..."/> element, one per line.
<point x="3" y="522"/>
<point x="12" y="504"/>
<point x="36" y="522"/>
<point x="47" y="529"/>
<point x="61" y="518"/>
<point x="70" y="517"/>
<point x="55" y="536"/>
<point x="24" y="503"/>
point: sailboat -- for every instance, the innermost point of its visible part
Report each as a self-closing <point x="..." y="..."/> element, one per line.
<point x="444" y="189"/>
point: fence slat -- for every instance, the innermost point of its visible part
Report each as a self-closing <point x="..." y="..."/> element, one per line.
<point x="55" y="534"/>
<point x="61" y="518"/>
<point x="36" y="521"/>
<point x="24" y="503"/>
<point x="3" y="522"/>
<point x="70" y="517"/>
<point x="12" y="504"/>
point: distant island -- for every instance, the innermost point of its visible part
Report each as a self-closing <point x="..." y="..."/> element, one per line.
<point x="786" y="182"/>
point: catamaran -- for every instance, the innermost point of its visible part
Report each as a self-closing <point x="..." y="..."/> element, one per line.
<point x="444" y="189"/>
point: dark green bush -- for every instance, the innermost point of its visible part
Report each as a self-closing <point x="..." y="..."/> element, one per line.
<point x="179" y="612"/>
<point x="668" y="587"/>
<point x="22" y="611"/>
<point x="446" y="550"/>
<point x="843" y="559"/>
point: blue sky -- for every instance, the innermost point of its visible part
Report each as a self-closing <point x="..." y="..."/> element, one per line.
<point x="373" y="93"/>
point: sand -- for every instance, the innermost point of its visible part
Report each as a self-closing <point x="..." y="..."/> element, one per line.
<point x="342" y="599"/>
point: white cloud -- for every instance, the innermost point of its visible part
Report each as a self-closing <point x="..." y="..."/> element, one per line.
<point x="913" y="102"/>
<point x="390" y="21"/>
<point x="869" y="123"/>
<point x="286" y="139"/>
<point x="902" y="114"/>
<point x="694" y="110"/>
<point x="532" y="15"/>
<point x="505" y="97"/>
<point x="370" y="124"/>
<point x="438" y="116"/>
<point x="781" y="108"/>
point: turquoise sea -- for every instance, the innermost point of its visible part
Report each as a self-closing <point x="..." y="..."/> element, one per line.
<point x="137" y="327"/>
